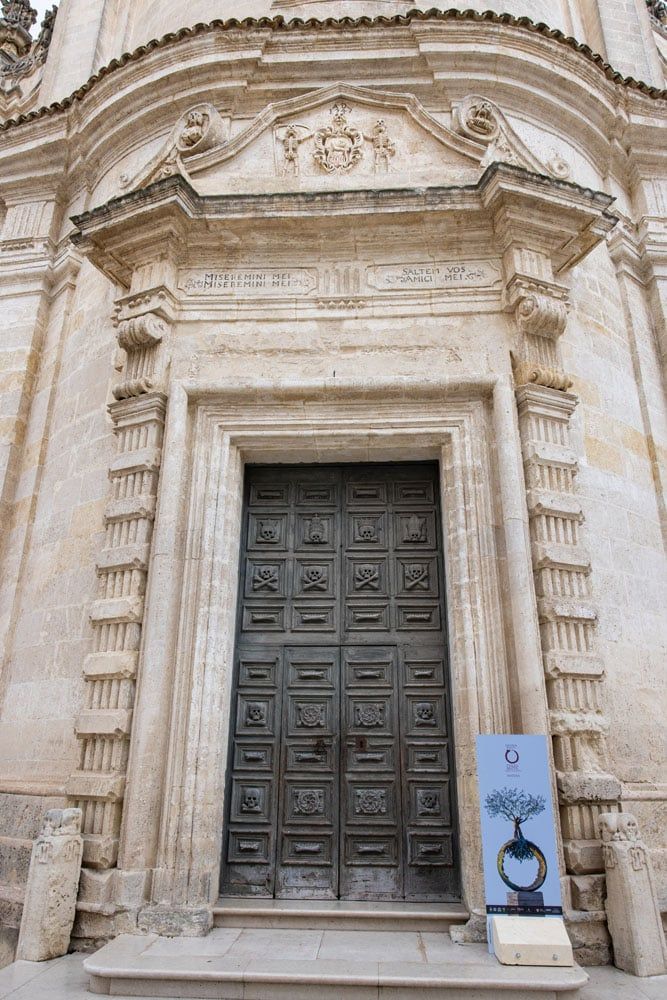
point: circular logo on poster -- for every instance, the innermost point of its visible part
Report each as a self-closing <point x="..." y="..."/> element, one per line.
<point x="512" y="755"/>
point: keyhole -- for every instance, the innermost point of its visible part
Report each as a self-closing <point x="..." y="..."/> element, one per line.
<point x="361" y="743"/>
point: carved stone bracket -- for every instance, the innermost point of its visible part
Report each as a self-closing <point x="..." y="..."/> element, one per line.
<point x="140" y="337"/>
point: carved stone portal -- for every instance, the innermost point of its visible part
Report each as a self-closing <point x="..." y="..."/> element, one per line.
<point x="53" y="882"/>
<point x="633" y="913"/>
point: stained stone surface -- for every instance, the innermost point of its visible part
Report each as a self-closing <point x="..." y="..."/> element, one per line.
<point x="324" y="244"/>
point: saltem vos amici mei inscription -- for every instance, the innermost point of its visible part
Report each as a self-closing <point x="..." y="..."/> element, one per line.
<point x="298" y="282"/>
<point x="435" y="274"/>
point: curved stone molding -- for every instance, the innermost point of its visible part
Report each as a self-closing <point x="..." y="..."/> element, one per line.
<point x="198" y="130"/>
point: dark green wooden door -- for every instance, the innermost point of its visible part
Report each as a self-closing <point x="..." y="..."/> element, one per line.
<point x="341" y="779"/>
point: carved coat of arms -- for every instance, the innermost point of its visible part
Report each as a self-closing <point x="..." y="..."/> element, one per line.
<point x="338" y="146"/>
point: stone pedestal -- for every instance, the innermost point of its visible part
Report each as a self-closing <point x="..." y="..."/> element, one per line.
<point x="53" y="882"/>
<point x="633" y="913"/>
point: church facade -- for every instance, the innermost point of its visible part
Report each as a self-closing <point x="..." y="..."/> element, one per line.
<point x="333" y="435"/>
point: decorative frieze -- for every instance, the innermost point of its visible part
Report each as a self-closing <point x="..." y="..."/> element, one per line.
<point x="104" y="726"/>
<point x="562" y="569"/>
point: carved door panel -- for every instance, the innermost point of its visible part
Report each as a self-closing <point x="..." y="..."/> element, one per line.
<point x="340" y="756"/>
<point x="308" y="824"/>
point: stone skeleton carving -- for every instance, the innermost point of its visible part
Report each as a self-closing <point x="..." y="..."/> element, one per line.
<point x="50" y="900"/>
<point x="383" y="147"/>
<point x="291" y="139"/>
<point x="633" y="912"/>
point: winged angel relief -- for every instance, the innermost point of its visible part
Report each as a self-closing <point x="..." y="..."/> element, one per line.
<point x="337" y="147"/>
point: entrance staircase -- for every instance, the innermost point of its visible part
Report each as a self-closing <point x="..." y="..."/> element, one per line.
<point x="266" y="950"/>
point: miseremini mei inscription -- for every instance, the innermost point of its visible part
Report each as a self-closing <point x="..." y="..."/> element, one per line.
<point x="295" y="282"/>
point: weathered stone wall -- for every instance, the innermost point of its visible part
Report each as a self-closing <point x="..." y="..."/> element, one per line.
<point x="60" y="356"/>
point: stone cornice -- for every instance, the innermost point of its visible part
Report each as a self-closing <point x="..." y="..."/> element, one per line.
<point x="128" y="231"/>
<point x="295" y="25"/>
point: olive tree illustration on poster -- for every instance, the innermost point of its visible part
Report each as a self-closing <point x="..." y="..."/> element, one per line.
<point x="518" y="834"/>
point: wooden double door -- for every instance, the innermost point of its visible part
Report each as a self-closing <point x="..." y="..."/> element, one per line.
<point x="340" y="782"/>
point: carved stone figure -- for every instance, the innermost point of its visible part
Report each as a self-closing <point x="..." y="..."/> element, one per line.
<point x="53" y="881"/>
<point x="383" y="147"/>
<point x="339" y="146"/>
<point x="658" y="8"/>
<point x="480" y="118"/>
<point x="195" y="129"/>
<point x="291" y="140"/>
<point x="19" y="13"/>
<point x="633" y="913"/>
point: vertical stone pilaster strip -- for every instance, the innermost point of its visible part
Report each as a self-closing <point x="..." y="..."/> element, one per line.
<point x="104" y="726"/>
<point x="562" y="568"/>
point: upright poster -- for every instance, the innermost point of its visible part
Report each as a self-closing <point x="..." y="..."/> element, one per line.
<point x="518" y="833"/>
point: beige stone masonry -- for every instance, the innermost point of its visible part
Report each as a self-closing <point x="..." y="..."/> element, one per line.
<point x="105" y="725"/>
<point x="562" y="567"/>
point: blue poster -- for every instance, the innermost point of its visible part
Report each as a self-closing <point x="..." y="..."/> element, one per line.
<point x="518" y="834"/>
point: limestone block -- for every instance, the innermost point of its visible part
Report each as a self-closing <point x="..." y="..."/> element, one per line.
<point x="53" y="882"/>
<point x="632" y="906"/>
<point x="588" y="892"/>
<point x="585" y="786"/>
<point x="531" y="941"/>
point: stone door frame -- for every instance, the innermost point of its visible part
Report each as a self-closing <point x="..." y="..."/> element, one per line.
<point x="190" y="625"/>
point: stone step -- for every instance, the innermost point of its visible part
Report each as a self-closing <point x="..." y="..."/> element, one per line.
<point x="338" y="915"/>
<point x="276" y="964"/>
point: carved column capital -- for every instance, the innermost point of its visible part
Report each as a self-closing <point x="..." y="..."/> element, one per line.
<point x="540" y="309"/>
<point x="533" y="373"/>
<point x="141" y="337"/>
<point x="141" y="331"/>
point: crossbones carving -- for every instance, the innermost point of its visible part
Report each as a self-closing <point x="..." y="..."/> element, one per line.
<point x="367" y="575"/>
<point x="416" y="575"/>
<point x="265" y="578"/>
<point x="315" y="578"/>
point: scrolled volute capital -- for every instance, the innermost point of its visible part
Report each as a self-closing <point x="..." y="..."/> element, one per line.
<point x="527" y="373"/>
<point x="141" y="331"/>
<point x="540" y="310"/>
